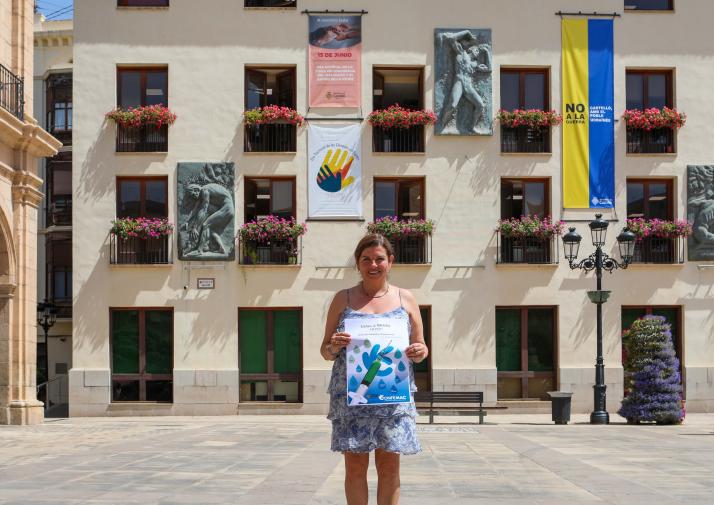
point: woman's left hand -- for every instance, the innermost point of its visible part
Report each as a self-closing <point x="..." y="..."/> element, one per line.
<point x="417" y="352"/>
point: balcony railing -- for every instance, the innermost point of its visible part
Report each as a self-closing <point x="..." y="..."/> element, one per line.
<point x="525" y="140"/>
<point x="12" y="95"/>
<point x="59" y="212"/>
<point x="143" y="139"/>
<point x="136" y="251"/>
<point x="659" y="250"/>
<point x="64" y="307"/>
<point x="412" y="250"/>
<point x="528" y="250"/>
<point x="284" y="252"/>
<point x="398" y="140"/>
<point x="270" y="138"/>
<point x="656" y="141"/>
<point x="64" y="135"/>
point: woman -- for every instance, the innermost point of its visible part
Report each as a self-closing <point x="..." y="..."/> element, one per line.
<point x="389" y="430"/>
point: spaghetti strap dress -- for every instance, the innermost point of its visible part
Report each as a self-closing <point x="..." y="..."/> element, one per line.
<point x="366" y="428"/>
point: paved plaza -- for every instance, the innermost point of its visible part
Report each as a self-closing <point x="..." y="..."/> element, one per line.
<point x="284" y="460"/>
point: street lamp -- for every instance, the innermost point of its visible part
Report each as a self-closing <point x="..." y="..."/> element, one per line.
<point x="46" y="318"/>
<point x="599" y="261"/>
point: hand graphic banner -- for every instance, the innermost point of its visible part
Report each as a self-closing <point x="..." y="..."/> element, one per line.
<point x="334" y="172"/>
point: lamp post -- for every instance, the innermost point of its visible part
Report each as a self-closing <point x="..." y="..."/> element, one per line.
<point x="599" y="261"/>
<point x="46" y="318"/>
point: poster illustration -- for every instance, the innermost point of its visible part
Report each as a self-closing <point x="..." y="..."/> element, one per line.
<point x="377" y="366"/>
<point x="335" y="60"/>
<point x="334" y="183"/>
<point x="206" y="211"/>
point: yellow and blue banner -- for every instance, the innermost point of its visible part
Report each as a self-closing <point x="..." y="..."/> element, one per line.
<point x="588" y="114"/>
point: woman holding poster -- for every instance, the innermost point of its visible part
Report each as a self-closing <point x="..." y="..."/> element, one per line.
<point x="373" y="332"/>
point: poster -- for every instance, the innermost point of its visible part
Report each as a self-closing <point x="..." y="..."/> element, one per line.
<point x="335" y="60"/>
<point x="334" y="172"/>
<point x="377" y="366"/>
<point x="588" y="114"/>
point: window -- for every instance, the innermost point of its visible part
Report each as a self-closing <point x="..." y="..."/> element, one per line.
<point x="270" y="3"/>
<point x="270" y="348"/>
<point x="141" y="197"/>
<point x="422" y="371"/>
<point x="59" y="271"/>
<point x="59" y="106"/>
<point x="59" y="190"/>
<point x="647" y="89"/>
<point x="525" y="88"/>
<point x="673" y="316"/>
<point x="142" y="355"/>
<point x="270" y="196"/>
<point x="525" y="351"/>
<point x="270" y="86"/>
<point x="649" y="5"/>
<point x="143" y="3"/>
<point x="141" y="87"/>
<point x="653" y="199"/>
<point x="403" y="199"/>
<point x="525" y="197"/>
<point x="403" y="86"/>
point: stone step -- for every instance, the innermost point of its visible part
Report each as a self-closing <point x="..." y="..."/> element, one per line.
<point x="521" y="407"/>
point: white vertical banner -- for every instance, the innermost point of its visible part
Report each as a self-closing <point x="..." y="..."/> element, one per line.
<point x="334" y="186"/>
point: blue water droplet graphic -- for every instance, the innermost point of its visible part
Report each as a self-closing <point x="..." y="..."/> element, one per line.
<point x="398" y="354"/>
<point x="397" y="379"/>
<point x="394" y="389"/>
<point x="367" y="344"/>
<point x="401" y="366"/>
<point x="355" y="350"/>
<point x="352" y="359"/>
<point x="359" y="368"/>
<point x="353" y="384"/>
<point x="382" y="384"/>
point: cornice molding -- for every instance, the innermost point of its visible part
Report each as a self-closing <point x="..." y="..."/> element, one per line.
<point x="27" y="136"/>
<point x="7" y="290"/>
<point x="26" y="189"/>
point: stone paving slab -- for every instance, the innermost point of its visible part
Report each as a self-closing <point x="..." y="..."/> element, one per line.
<point x="285" y="460"/>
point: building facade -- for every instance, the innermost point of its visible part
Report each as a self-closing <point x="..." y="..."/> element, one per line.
<point x="53" y="110"/>
<point x="509" y="319"/>
<point x="22" y="142"/>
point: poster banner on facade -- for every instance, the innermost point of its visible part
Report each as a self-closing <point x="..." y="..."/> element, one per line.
<point x="377" y="366"/>
<point x="588" y="114"/>
<point x="335" y="60"/>
<point x="334" y="172"/>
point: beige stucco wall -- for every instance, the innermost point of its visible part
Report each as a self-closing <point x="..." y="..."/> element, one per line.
<point x="206" y="60"/>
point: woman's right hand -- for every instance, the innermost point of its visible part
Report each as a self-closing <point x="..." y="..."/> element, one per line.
<point x="338" y="341"/>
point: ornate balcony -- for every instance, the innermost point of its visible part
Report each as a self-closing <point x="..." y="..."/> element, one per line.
<point x="659" y="250"/>
<point x="527" y="250"/>
<point x="525" y="140"/>
<point x="282" y="252"/>
<point x="657" y="141"/>
<point x="59" y="212"/>
<point x="270" y="138"/>
<point x="398" y="140"/>
<point x="415" y="250"/>
<point x="143" y="139"/>
<point x="136" y="251"/>
<point x="12" y="96"/>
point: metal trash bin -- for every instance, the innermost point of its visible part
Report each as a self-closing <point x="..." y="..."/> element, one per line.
<point x="560" y="406"/>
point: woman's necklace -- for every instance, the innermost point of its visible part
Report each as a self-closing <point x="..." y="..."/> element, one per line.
<point x="374" y="295"/>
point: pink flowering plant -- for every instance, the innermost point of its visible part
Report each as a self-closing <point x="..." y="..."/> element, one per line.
<point x="393" y="227"/>
<point x="396" y="116"/>
<point x="141" y="227"/>
<point x="271" y="229"/>
<point x="272" y="114"/>
<point x="659" y="228"/>
<point x="654" y="118"/>
<point x="531" y="226"/>
<point x="134" y="117"/>
<point x="530" y="118"/>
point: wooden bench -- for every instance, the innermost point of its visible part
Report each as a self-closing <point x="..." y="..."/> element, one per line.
<point x="452" y="397"/>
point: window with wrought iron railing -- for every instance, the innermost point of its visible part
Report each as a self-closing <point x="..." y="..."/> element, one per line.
<point x="522" y="89"/>
<point x="140" y="87"/>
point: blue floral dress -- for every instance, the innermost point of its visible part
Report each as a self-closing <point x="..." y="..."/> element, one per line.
<point x="363" y="429"/>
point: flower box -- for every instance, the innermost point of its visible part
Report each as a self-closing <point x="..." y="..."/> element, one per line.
<point x="271" y="114"/>
<point x="141" y="227"/>
<point x="528" y="239"/>
<point x="271" y="240"/>
<point x="135" y="117"/>
<point x="410" y="238"/>
<point x="396" y="116"/>
<point x="654" y="119"/>
<point x="529" y="118"/>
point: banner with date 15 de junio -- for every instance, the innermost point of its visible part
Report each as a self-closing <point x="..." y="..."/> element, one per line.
<point x="335" y="60"/>
<point x="588" y="115"/>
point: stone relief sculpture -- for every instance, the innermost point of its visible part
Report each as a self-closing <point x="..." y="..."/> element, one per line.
<point x="463" y="82"/>
<point x="206" y="211"/>
<point x="700" y="211"/>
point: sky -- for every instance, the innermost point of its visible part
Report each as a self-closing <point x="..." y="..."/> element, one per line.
<point x="55" y="9"/>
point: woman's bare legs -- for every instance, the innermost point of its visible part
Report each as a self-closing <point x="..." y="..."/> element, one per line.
<point x="387" y="477"/>
<point x="356" y="465"/>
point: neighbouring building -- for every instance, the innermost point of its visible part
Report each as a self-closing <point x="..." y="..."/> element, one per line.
<point x="161" y="327"/>
<point x="53" y="109"/>
<point x="22" y="143"/>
